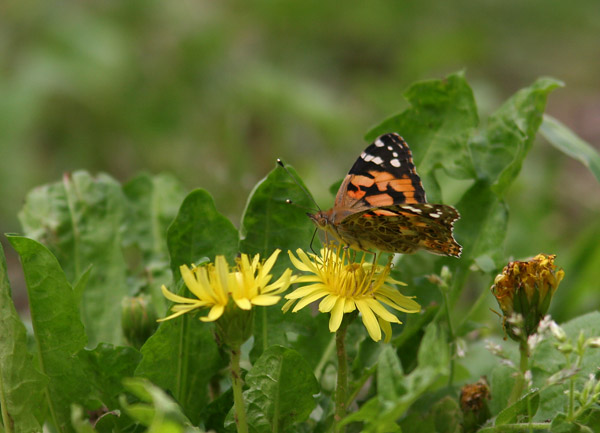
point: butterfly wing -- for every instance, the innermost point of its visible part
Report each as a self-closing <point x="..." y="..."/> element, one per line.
<point x="383" y="175"/>
<point x="403" y="229"/>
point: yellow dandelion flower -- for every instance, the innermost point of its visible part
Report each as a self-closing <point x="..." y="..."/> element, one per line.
<point x="346" y="286"/>
<point x="215" y="284"/>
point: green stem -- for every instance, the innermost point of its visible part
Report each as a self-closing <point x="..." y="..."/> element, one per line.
<point x="517" y="390"/>
<point x="360" y="383"/>
<point x="342" y="375"/>
<point x="451" y="332"/>
<point x="516" y="427"/>
<point x="236" y="385"/>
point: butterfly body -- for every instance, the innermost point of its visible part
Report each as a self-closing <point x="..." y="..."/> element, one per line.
<point x="381" y="205"/>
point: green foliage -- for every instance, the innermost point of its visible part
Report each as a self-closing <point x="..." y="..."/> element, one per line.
<point x="91" y="242"/>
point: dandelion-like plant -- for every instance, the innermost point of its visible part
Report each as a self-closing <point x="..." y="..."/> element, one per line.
<point x="345" y="286"/>
<point x="229" y="295"/>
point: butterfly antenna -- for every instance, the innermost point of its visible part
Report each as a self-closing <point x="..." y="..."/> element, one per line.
<point x="280" y="162"/>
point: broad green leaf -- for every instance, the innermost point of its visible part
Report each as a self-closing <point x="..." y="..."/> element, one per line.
<point x="199" y="231"/>
<point x="80" y="219"/>
<point x="21" y="384"/>
<point x="106" y="366"/>
<point x="280" y="391"/>
<point x="501" y="384"/>
<point x="509" y="135"/>
<point x="269" y="222"/>
<point x="213" y="416"/>
<point x="390" y="377"/>
<point x="447" y="416"/>
<point x="523" y="408"/>
<point x="482" y="227"/>
<point x="437" y="126"/>
<point x="434" y="357"/>
<point x="155" y="409"/>
<point x="182" y="357"/>
<point x="58" y="330"/>
<point x="153" y="205"/>
<point x="567" y="142"/>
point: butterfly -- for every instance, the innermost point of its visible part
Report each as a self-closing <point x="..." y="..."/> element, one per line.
<point x="381" y="205"/>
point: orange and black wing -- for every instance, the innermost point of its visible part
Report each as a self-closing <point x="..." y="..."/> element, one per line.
<point x="403" y="229"/>
<point x="383" y="175"/>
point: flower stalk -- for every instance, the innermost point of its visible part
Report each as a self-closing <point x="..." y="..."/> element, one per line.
<point x="236" y="385"/>
<point x="341" y="390"/>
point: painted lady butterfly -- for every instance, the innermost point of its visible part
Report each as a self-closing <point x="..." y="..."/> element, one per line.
<point x="381" y="205"/>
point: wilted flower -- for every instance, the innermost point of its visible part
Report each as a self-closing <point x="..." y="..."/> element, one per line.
<point x="473" y="402"/>
<point x="526" y="289"/>
<point x="346" y="286"/>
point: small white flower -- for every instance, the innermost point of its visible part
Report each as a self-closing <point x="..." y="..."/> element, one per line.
<point x="495" y="349"/>
<point x="528" y="378"/>
<point x="558" y="332"/>
<point x="533" y="340"/>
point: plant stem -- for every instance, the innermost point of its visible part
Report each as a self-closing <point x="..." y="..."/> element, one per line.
<point x="517" y="390"/>
<point x="236" y="385"/>
<point x="516" y="427"/>
<point x="342" y="375"/>
<point x="451" y="332"/>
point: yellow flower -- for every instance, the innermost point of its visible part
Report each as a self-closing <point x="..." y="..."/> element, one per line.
<point x="346" y="286"/>
<point x="215" y="284"/>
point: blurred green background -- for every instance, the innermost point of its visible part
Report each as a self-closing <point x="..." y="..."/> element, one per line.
<point x="214" y="92"/>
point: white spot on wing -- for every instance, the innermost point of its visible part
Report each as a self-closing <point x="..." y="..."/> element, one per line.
<point x="434" y="215"/>
<point x="395" y="163"/>
<point x="395" y="154"/>
<point x="379" y="143"/>
<point x="390" y="148"/>
<point x="415" y="210"/>
<point x="377" y="160"/>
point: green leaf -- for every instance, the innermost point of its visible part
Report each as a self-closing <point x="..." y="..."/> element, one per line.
<point x="80" y="219"/>
<point x="380" y="414"/>
<point x="501" y="384"/>
<point x="437" y="126"/>
<point x="153" y="205"/>
<point x="390" y="377"/>
<point x="21" y="384"/>
<point x="57" y="326"/>
<point x="156" y="410"/>
<point x="522" y="408"/>
<point x="280" y="391"/>
<point x="182" y="357"/>
<point x="509" y="135"/>
<point x="105" y="367"/>
<point x="269" y="222"/>
<point x="570" y="144"/>
<point x="200" y="231"/>
<point x="447" y="416"/>
<point x="482" y="227"/>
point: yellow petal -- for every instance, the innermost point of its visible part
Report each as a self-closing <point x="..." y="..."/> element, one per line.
<point x="243" y="303"/>
<point x="308" y="300"/>
<point x="287" y="305"/>
<point x="328" y="303"/>
<point x="265" y="300"/>
<point x="369" y="320"/>
<point x="190" y="281"/>
<point x="380" y="310"/>
<point x="176" y="298"/>
<point x="387" y="329"/>
<point x="303" y="291"/>
<point x="214" y="313"/>
<point x="337" y="314"/>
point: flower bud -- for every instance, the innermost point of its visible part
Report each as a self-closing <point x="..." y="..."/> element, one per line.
<point x="526" y="289"/>
<point x="138" y="320"/>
